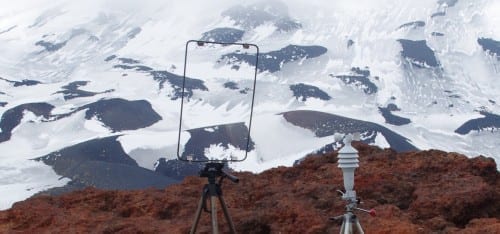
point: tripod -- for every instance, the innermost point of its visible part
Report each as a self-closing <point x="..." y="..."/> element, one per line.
<point x="350" y="222"/>
<point x="213" y="190"/>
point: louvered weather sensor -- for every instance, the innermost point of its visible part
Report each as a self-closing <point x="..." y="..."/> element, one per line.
<point x="217" y="98"/>
<point x="348" y="162"/>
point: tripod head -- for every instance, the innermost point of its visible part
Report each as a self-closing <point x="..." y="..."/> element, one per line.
<point x="352" y="204"/>
<point x="211" y="192"/>
<point x="213" y="170"/>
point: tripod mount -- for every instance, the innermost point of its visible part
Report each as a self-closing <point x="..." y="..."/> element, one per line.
<point x="213" y="191"/>
<point x="350" y="222"/>
<point x="348" y="162"/>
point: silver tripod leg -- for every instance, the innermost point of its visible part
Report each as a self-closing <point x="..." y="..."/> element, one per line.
<point x="226" y="213"/>
<point x="358" y="226"/>
<point x="198" y="214"/>
<point x="213" y="214"/>
<point x="346" y="227"/>
<point x="351" y="225"/>
<point x="343" y="225"/>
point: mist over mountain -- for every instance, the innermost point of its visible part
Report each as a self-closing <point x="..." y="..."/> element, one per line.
<point x="90" y="91"/>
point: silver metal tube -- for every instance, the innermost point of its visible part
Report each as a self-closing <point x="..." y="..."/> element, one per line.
<point x="358" y="226"/>
<point x="197" y="216"/>
<point x="213" y="215"/>
<point x="226" y="213"/>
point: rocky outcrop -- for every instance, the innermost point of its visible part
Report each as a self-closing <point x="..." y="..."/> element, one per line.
<point x="415" y="192"/>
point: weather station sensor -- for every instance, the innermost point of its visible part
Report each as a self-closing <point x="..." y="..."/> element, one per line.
<point x="217" y="99"/>
<point x="348" y="162"/>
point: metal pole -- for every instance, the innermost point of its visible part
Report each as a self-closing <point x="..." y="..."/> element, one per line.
<point x="358" y="226"/>
<point x="342" y="228"/>
<point x="213" y="214"/>
<point x="198" y="213"/>
<point x="226" y="213"/>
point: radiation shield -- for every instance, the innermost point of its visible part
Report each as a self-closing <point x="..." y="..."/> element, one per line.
<point x="217" y="98"/>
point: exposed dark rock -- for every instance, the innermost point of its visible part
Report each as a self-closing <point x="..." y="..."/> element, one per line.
<point x="120" y="114"/>
<point x="69" y="187"/>
<point x="109" y="58"/>
<point x="359" y="71"/>
<point x="49" y="46"/>
<point x="177" y="169"/>
<point x="418" y="53"/>
<point x="134" y="32"/>
<point x="287" y="24"/>
<point x="304" y="91"/>
<point x="135" y="67"/>
<point x="492" y="102"/>
<point x="245" y="90"/>
<point x="360" y="79"/>
<point x="449" y="3"/>
<point x="12" y="117"/>
<point x="128" y="60"/>
<point x="442" y="13"/>
<point x="176" y="82"/>
<point x="27" y="83"/>
<point x="231" y="85"/>
<point x="8" y="30"/>
<point x="255" y="15"/>
<point x="274" y="60"/>
<point x="437" y="34"/>
<point x="22" y="83"/>
<point x="103" y="164"/>
<point x="2" y="104"/>
<point x="93" y="38"/>
<point x="350" y="43"/>
<point x="235" y="134"/>
<point x="234" y="86"/>
<point x="491" y="46"/>
<point x="417" y="192"/>
<point x="74" y="85"/>
<point x="72" y="90"/>
<point x="489" y="122"/>
<point x="391" y="118"/>
<point x="414" y="24"/>
<point x="392" y="107"/>
<point x="325" y="124"/>
<point x="106" y="149"/>
<point x="247" y="17"/>
<point x="224" y="35"/>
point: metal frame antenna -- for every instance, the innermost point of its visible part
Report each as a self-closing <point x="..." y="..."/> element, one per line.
<point x="184" y="156"/>
<point x="213" y="170"/>
<point x="348" y="162"/>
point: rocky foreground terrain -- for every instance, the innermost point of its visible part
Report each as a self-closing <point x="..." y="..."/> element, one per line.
<point x="417" y="192"/>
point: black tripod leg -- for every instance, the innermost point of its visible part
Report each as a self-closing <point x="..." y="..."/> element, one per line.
<point x="226" y="213"/>
<point x="198" y="212"/>
<point x="213" y="215"/>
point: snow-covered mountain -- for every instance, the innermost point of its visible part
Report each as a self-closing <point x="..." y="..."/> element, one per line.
<point x="90" y="90"/>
